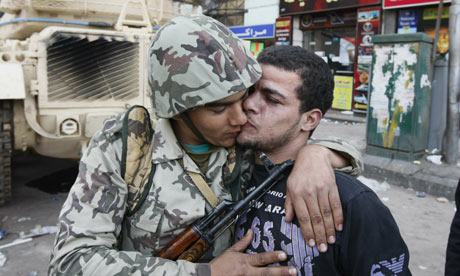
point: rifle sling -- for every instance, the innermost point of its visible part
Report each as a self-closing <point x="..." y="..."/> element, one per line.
<point x="204" y="188"/>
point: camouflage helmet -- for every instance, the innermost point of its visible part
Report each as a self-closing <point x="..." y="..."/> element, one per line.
<point x="195" y="60"/>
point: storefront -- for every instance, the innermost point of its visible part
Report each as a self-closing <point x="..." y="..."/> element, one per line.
<point x="339" y="31"/>
<point x="420" y="16"/>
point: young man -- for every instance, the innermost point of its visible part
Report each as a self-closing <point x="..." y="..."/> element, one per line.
<point x="287" y="104"/>
<point x="199" y="72"/>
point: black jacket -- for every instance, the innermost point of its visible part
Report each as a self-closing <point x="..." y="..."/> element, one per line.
<point x="370" y="243"/>
<point x="453" y="245"/>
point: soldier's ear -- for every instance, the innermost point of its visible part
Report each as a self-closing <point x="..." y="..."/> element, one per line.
<point x="310" y="119"/>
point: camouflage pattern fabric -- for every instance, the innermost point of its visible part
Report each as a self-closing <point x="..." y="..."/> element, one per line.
<point x="97" y="238"/>
<point x="347" y="151"/>
<point x="203" y="63"/>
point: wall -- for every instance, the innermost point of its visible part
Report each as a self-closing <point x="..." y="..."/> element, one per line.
<point x="260" y="12"/>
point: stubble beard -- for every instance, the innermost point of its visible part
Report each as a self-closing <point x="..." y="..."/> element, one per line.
<point x="270" y="144"/>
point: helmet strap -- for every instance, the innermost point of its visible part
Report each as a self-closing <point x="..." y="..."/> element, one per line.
<point x="184" y="116"/>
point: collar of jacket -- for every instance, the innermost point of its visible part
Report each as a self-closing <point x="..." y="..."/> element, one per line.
<point x="168" y="148"/>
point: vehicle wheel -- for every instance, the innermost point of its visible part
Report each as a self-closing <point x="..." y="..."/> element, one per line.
<point x="6" y="142"/>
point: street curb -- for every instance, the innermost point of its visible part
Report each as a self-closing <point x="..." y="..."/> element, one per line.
<point x="339" y="116"/>
<point x="436" y="180"/>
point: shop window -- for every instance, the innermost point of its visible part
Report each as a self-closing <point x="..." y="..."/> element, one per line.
<point x="335" y="45"/>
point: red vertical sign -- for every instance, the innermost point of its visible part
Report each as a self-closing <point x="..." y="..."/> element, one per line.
<point x="283" y="31"/>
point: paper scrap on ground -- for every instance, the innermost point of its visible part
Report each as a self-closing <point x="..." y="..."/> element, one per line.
<point x="2" y="259"/>
<point x="435" y="159"/>
<point x="23" y="219"/>
<point x="442" y="200"/>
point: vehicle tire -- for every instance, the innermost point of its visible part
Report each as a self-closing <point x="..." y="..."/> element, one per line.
<point x="6" y="147"/>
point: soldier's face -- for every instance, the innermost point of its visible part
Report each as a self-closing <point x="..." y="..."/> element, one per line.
<point x="272" y="111"/>
<point x="221" y="121"/>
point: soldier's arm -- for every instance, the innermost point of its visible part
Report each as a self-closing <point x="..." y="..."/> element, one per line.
<point x="312" y="192"/>
<point x="91" y="219"/>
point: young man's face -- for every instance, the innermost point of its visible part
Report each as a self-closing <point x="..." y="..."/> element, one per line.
<point x="221" y="121"/>
<point x="272" y="111"/>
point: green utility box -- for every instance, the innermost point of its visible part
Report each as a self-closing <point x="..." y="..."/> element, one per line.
<point x="400" y="96"/>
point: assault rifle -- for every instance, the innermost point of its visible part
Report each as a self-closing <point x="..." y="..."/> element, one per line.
<point x="199" y="237"/>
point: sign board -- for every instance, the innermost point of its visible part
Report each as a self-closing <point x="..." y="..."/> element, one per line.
<point x="290" y="7"/>
<point x="369" y="22"/>
<point x="254" y="32"/>
<point x="328" y="20"/>
<point x="283" y="31"/>
<point x="428" y="26"/>
<point x="407" y="22"/>
<point x="343" y="91"/>
<point x="391" y="4"/>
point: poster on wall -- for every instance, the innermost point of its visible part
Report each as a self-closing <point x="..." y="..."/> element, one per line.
<point x="343" y="91"/>
<point x="283" y="31"/>
<point x="368" y="24"/>
<point x="407" y="22"/>
<point x="428" y="26"/>
<point x="256" y="48"/>
<point x="290" y="7"/>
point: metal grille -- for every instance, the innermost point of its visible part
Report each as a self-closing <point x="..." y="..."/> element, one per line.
<point x="83" y="68"/>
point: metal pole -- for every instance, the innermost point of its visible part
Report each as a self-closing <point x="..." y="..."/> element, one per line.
<point x="451" y="151"/>
<point x="436" y="36"/>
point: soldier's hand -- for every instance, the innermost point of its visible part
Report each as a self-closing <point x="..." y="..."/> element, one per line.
<point x="312" y="193"/>
<point x="234" y="262"/>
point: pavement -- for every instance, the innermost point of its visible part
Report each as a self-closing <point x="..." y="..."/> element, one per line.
<point x="420" y="175"/>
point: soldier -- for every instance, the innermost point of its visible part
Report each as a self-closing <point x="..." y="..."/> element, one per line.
<point x="294" y="92"/>
<point x="199" y="73"/>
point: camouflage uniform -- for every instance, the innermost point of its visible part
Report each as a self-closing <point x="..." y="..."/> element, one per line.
<point x="96" y="235"/>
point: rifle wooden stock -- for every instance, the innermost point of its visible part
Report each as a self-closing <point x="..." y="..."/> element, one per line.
<point x="179" y="245"/>
<point x="187" y="246"/>
<point x="196" y="251"/>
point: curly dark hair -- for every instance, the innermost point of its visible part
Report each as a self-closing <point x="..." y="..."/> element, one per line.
<point x="317" y="86"/>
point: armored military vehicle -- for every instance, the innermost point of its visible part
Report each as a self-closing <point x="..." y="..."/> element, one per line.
<point x="65" y="66"/>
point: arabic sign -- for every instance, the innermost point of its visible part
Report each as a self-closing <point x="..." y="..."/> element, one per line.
<point x="391" y="4"/>
<point x="253" y="32"/>
<point x="289" y="7"/>
<point x="283" y="31"/>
